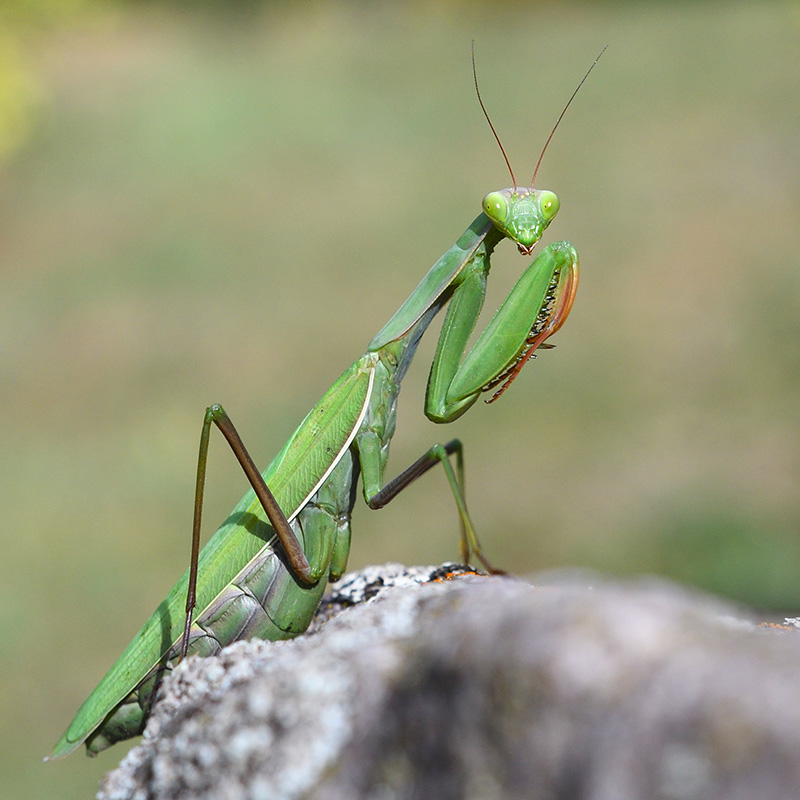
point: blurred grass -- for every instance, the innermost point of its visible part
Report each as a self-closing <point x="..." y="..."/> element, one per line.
<point x="227" y="208"/>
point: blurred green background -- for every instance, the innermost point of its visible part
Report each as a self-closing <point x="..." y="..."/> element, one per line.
<point x="204" y="202"/>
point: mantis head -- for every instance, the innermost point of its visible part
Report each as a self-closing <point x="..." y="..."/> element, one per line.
<point x="521" y="214"/>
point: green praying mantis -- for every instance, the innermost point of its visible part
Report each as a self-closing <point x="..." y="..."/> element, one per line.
<point x="262" y="574"/>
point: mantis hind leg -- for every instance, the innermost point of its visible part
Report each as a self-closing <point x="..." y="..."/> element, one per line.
<point x="470" y="545"/>
<point x="216" y="415"/>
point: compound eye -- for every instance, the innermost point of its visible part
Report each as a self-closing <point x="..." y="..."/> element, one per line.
<point x="495" y="206"/>
<point x="549" y="204"/>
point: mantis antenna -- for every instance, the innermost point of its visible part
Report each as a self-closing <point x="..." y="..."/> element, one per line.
<point x="486" y="114"/>
<point x="558" y="121"/>
<point x="561" y="115"/>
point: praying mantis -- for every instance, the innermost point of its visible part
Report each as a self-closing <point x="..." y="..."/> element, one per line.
<point x="262" y="574"/>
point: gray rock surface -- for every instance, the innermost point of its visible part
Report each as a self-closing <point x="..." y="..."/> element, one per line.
<point x="485" y="688"/>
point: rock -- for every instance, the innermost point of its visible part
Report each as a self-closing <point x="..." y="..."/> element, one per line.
<point x="485" y="687"/>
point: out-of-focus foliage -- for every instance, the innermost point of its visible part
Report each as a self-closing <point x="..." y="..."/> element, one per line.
<point x="19" y="93"/>
<point x="22" y="24"/>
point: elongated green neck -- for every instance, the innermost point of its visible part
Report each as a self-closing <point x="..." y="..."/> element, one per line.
<point x="397" y="341"/>
<point x="436" y="287"/>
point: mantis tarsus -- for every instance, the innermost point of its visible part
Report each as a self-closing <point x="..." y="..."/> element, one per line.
<point x="263" y="572"/>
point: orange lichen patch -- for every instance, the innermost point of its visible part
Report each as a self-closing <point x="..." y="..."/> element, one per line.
<point x="780" y="626"/>
<point x="454" y="575"/>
